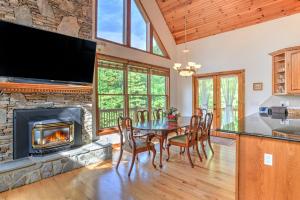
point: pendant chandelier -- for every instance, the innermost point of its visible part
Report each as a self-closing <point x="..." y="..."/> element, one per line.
<point x="187" y="68"/>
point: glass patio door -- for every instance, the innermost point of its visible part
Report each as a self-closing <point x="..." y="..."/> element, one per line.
<point x="206" y="94"/>
<point x="229" y="101"/>
<point x="222" y="94"/>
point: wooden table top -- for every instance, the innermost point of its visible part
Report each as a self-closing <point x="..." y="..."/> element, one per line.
<point x="163" y="124"/>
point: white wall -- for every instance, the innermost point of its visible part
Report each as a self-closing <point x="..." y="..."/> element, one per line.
<point x="248" y="49"/>
<point x="165" y="35"/>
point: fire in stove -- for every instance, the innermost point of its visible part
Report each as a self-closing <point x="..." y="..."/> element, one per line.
<point x="52" y="135"/>
<point x="57" y="136"/>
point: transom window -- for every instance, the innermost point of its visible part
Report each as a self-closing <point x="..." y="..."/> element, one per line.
<point x="125" y="87"/>
<point x="126" y="22"/>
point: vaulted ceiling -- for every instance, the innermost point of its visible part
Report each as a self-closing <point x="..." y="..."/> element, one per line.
<point x="210" y="17"/>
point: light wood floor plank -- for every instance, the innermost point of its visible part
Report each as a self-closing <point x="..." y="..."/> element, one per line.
<point x="214" y="178"/>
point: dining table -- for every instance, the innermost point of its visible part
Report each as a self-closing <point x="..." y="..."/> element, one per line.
<point x="161" y="128"/>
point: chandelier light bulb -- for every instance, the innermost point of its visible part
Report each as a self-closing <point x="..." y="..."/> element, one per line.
<point x="191" y="64"/>
<point x="177" y="66"/>
<point x="198" y="66"/>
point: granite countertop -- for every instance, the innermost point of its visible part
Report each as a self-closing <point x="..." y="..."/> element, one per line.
<point x="277" y="127"/>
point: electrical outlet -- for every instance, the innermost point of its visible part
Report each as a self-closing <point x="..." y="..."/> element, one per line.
<point x="268" y="159"/>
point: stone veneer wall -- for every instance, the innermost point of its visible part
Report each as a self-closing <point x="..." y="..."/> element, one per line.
<point x="70" y="17"/>
<point x="9" y="102"/>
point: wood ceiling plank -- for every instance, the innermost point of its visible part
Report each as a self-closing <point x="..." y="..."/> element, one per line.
<point x="239" y="18"/>
<point x="212" y="31"/>
<point x="192" y="20"/>
<point x="210" y="17"/>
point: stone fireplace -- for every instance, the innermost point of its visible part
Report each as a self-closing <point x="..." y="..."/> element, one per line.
<point x="46" y="134"/>
<point x="51" y="102"/>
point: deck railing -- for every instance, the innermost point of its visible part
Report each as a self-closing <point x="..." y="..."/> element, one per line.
<point x="109" y="117"/>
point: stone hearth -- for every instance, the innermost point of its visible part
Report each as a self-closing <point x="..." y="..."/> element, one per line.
<point x="20" y="172"/>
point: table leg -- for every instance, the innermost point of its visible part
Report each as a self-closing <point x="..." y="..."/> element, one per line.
<point x="161" y="144"/>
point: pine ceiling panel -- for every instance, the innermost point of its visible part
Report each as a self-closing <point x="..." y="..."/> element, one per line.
<point x="211" y="17"/>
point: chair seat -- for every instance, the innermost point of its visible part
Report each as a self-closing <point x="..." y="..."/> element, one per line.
<point x="140" y="143"/>
<point x="178" y="139"/>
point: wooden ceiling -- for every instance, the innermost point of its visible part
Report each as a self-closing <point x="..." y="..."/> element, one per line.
<point x="210" y="17"/>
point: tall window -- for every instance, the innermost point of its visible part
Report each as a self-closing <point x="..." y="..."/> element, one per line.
<point x="126" y="22"/>
<point x="110" y="20"/>
<point x="137" y="89"/>
<point x="125" y="88"/>
<point x="111" y="93"/>
<point x="138" y="28"/>
<point x="158" y="91"/>
<point x="156" y="48"/>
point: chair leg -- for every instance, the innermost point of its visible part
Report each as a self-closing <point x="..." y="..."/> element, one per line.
<point x="197" y="149"/>
<point x="149" y="140"/>
<point x="189" y="156"/>
<point x="154" y="154"/>
<point x="132" y="163"/>
<point x="203" y="149"/>
<point x="182" y="151"/>
<point x="210" y="145"/>
<point x="120" y="157"/>
<point x="166" y="141"/>
<point x="168" y="150"/>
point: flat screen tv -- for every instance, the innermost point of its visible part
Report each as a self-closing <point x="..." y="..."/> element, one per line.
<point x="31" y="54"/>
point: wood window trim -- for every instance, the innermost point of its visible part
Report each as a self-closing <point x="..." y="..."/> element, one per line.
<point x="127" y="29"/>
<point x="126" y="95"/>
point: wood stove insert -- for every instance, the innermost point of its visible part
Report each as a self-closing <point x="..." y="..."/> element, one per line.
<point x="45" y="130"/>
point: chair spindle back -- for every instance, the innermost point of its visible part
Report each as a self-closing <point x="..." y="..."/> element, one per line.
<point x="126" y="132"/>
<point x="158" y="114"/>
<point x="194" y="127"/>
<point x="142" y="116"/>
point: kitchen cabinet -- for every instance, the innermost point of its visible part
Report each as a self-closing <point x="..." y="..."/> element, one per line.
<point x="285" y="71"/>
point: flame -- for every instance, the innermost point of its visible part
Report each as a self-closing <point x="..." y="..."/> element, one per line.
<point x="56" y="137"/>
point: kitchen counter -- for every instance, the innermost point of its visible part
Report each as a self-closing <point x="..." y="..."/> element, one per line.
<point x="277" y="127"/>
<point x="267" y="157"/>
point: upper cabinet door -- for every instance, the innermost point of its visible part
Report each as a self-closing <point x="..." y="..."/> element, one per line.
<point x="293" y="68"/>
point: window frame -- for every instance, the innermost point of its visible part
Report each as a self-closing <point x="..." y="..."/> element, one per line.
<point x="127" y="29"/>
<point x="127" y="64"/>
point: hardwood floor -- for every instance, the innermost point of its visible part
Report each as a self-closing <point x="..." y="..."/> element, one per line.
<point x="214" y="178"/>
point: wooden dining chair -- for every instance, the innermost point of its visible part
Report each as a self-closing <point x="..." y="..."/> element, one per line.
<point x="205" y="131"/>
<point x="187" y="140"/>
<point x="132" y="144"/>
<point x="142" y="115"/>
<point x="158" y="114"/>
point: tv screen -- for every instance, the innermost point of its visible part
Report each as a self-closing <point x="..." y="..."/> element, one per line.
<point x="36" y="54"/>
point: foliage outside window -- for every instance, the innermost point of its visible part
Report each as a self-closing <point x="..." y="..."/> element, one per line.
<point x="156" y="49"/>
<point x="126" y="22"/>
<point x="137" y="90"/>
<point x="111" y="93"/>
<point x="119" y="97"/>
<point x="158" y="92"/>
